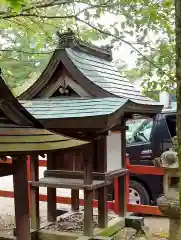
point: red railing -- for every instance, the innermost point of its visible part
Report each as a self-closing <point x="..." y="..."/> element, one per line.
<point x="137" y="169"/>
<point x="43" y="197"/>
<point x="147" y="170"/>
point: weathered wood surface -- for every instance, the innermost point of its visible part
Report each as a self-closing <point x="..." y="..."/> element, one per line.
<point x="104" y="176"/>
<point x="51" y="192"/>
<point x="122" y="191"/>
<point x="75" y="199"/>
<point x="102" y="207"/>
<point x="7" y="169"/>
<point x="21" y="200"/>
<point x="88" y="198"/>
<point x="67" y="183"/>
<point x="34" y="193"/>
<point x="101" y="153"/>
<point x="88" y="213"/>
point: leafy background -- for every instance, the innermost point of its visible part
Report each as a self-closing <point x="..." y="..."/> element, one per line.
<point x="28" y="36"/>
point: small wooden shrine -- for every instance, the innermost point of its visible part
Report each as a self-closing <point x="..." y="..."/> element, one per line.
<point x="81" y="94"/>
<point x="22" y="135"/>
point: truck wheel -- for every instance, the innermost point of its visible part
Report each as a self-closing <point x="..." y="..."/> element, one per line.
<point x="138" y="194"/>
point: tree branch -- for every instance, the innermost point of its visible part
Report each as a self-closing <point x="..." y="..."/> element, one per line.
<point x="36" y="15"/>
<point x="20" y="24"/>
<point x="126" y="42"/>
<point x="103" y="5"/>
<point x="26" y="13"/>
<point x="25" y="52"/>
<point x="48" y="4"/>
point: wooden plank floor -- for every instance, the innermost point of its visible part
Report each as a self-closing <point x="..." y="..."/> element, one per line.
<point x="67" y="183"/>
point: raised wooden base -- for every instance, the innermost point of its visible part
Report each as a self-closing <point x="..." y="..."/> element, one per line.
<point x="101" y="176"/>
<point x="113" y="226"/>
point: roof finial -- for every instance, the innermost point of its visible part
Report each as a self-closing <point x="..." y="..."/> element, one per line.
<point x="67" y="39"/>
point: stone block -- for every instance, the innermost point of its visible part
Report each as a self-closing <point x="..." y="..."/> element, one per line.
<point x="134" y="222"/>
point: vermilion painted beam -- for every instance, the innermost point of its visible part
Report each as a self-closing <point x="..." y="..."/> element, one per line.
<point x="144" y="209"/>
<point x="145" y="170"/>
<point x="141" y="169"/>
<point x="42" y="163"/>
<point x="63" y="200"/>
<point x="9" y="161"/>
<point x="7" y="194"/>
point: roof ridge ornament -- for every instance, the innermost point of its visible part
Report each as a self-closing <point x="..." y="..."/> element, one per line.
<point x="69" y="40"/>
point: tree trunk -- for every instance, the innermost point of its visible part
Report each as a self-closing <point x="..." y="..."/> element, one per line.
<point x="178" y="80"/>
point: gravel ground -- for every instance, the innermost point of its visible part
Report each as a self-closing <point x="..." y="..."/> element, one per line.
<point x="157" y="224"/>
<point x="73" y="223"/>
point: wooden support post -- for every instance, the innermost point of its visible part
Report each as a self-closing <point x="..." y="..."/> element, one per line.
<point x="74" y="192"/>
<point x="88" y="198"/>
<point x="122" y="204"/>
<point x="21" y="199"/>
<point x="122" y="191"/>
<point x="102" y="192"/>
<point x="88" y="213"/>
<point x="51" y="192"/>
<point x="75" y="199"/>
<point x="34" y="192"/>
<point x="102" y="207"/>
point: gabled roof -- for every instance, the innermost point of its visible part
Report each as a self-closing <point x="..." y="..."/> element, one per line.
<point x="106" y="76"/>
<point x="80" y="114"/>
<point x="92" y="68"/>
<point x="73" y="107"/>
<point x="79" y="117"/>
<point x="21" y="133"/>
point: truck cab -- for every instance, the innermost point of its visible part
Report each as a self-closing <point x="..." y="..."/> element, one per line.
<point x="146" y="139"/>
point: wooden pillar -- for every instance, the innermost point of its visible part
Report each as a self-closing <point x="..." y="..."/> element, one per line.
<point x="88" y="198"/>
<point x="102" y="207"/>
<point x="51" y="192"/>
<point x="21" y="199"/>
<point x="74" y="192"/>
<point x="122" y="196"/>
<point x="88" y="213"/>
<point x="102" y="192"/>
<point x="34" y="192"/>
<point x="75" y="199"/>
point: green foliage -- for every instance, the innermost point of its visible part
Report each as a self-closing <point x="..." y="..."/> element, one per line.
<point x="15" y="5"/>
<point x="146" y="26"/>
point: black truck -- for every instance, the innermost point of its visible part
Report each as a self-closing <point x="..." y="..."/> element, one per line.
<point x="146" y="139"/>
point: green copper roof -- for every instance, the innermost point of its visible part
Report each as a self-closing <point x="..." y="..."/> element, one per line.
<point x="15" y="139"/>
<point x="73" y="107"/>
<point x="104" y="74"/>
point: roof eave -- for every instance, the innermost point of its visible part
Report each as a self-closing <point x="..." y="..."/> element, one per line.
<point x="44" y="78"/>
<point x="13" y="109"/>
<point x="143" y="109"/>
